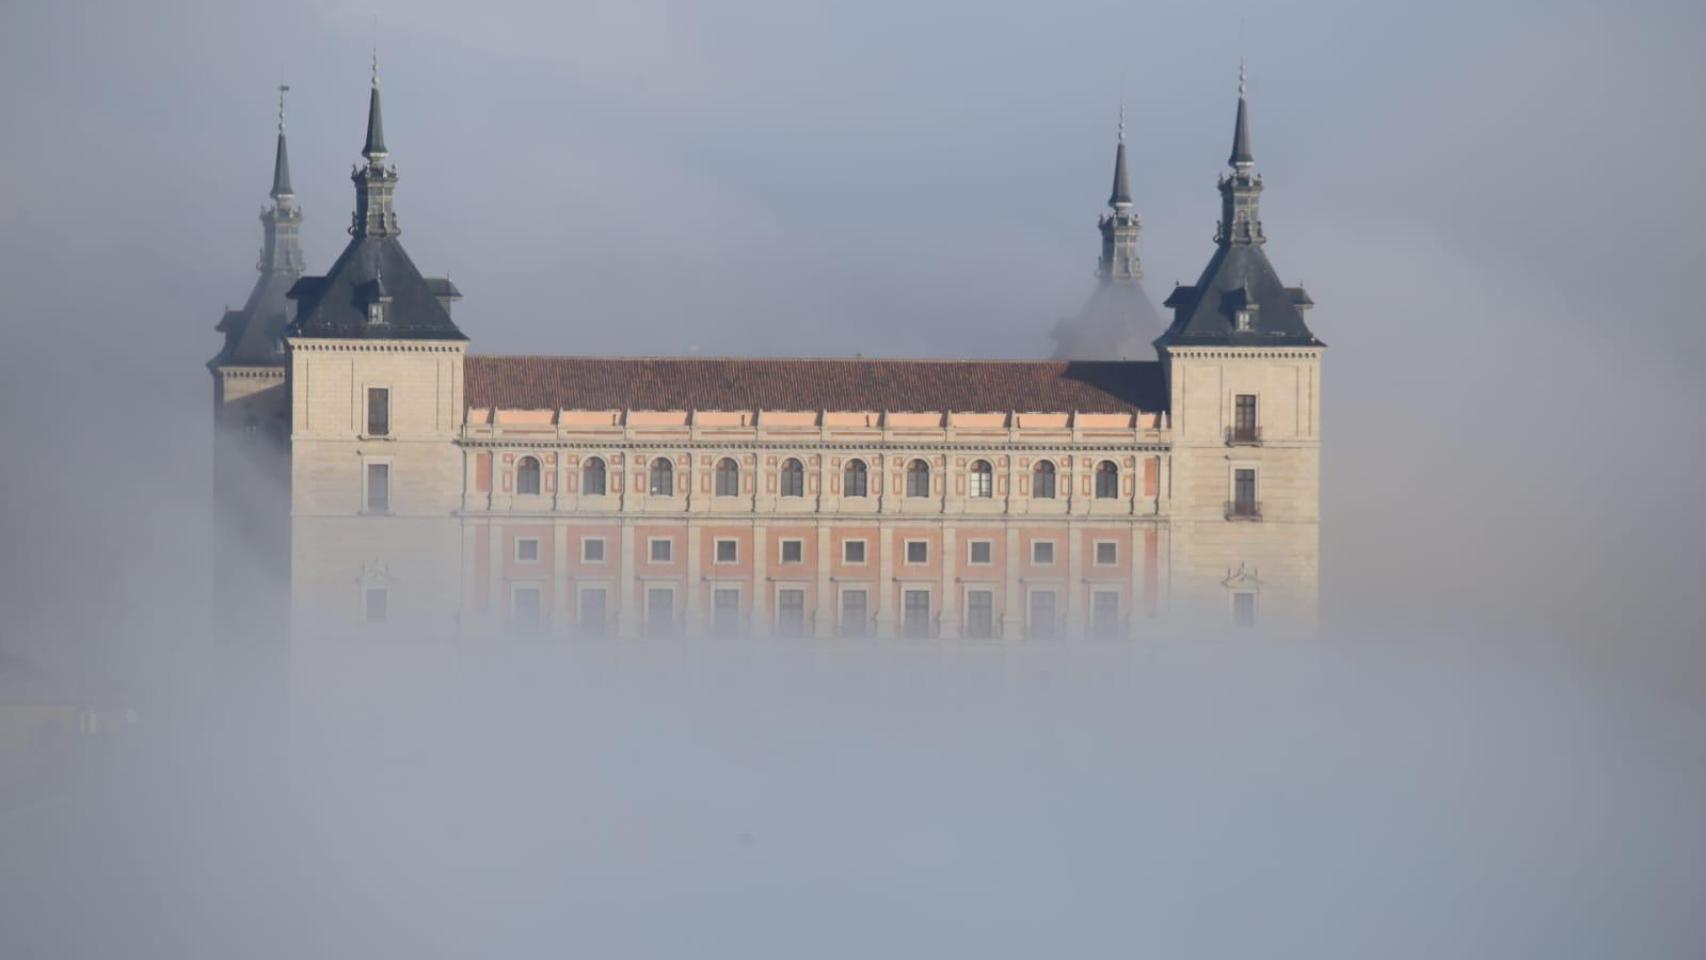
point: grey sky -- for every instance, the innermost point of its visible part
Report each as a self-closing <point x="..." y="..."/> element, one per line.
<point x="1497" y="208"/>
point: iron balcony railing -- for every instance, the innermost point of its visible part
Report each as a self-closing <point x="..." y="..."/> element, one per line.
<point x="1243" y="436"/>
<point x="1243" y="509"/>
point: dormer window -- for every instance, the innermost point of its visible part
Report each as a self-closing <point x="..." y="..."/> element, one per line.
<point x="375" y="313"/>
<point x="1245" y="319"/>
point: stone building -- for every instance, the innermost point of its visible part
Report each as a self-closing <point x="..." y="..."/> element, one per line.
<point x="436" y="493"/>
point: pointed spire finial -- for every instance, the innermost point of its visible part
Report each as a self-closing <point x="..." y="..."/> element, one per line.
<point x="1120" y="197"/>
<point x="374" y="149"/>
<point x="1242" y="159"/>
<point x="281" y="158"/>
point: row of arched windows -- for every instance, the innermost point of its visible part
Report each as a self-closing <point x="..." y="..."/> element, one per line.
<point x="980" y="481"/>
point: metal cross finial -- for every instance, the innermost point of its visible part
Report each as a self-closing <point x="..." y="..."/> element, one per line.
<point x="376" y="66"/>
<point x="1243" y="78"/>
<point x="283" y="88"/>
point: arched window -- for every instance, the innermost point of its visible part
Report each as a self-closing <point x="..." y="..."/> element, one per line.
<point x="527" y="475"/>
<point x="918" y="479"/>
<point x="592" y="477"/>
<point x="981" y="481"/>
<point x="853" y="479"/>
<point x="663" y="477"/>
<point x="728" y="478"/>
<point x="1107" y="480"/>
<point x="1042" y="480"/>
<point x="793" y="478"/>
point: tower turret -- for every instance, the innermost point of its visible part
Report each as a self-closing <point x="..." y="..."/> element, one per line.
<point x="253" y="333"/>
<point x="1119" y="321"/>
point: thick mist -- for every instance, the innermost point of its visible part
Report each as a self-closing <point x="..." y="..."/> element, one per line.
<point x="1494" y="749"/>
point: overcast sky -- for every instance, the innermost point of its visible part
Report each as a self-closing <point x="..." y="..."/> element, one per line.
<point x="1496" y="206"/>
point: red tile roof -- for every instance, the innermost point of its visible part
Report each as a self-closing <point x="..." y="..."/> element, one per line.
<point x="674" y="383"/>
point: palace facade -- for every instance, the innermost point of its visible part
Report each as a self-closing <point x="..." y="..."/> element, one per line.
<point x="406" y="487"/>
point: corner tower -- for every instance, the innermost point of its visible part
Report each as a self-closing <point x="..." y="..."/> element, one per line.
<point x="1119" y="321"/>
<point x="1243" y="374"/>
<point x="375" y="375"/>
<point x="251" y="411"/>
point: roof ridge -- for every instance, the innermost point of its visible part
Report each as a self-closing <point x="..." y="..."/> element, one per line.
<point x="749" y="359"/>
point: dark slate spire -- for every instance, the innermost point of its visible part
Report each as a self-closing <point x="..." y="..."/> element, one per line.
<point x="1239" y="300"/>
<point x="374" y="291"/>
<point x="1241" y="155"/>
<point x="253" y="334"/>
<point x="281" y="158"/>
<point x="374" y="183"/>
<point x="374" y="149"/>
<point x="1121" y="196"/>
<point x="1118" y="321"/>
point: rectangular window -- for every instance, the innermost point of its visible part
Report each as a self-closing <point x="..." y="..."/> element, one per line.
<point x="1107" y="553"/>
<point x="728" y="551"/>
<point x="980" y="614"/>
<point x="1244" y="609"/>
<point x="524" y="608"/>
<point x="662" y="550"/>
<point x="982" y="552"/>
<point x="793" y="551"/>
<point x="378" y="487"/>
<point x="853" y="551"/>
<point x="917" y="551"/>
<point x="853" y="613"/>
<point x="592" y="612"/>
<point x="1105" y="613"/>
<point x="376" y="604"/>
<point x="915" y="607"/>
<point x="1244" y="415"/>
<point x="378" y="411"/>
<point x="1040" y="623"/>
<point x="1042" y="552"/>
<point x="791" y="613"/>
<point x="592" y="549"/>
<point x="725" y="611"/>
<point x="660" y="611"/>
<point x="527" y="550"/>
<point x="1244" y="503"/>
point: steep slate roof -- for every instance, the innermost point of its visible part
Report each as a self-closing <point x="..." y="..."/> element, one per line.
<point x="252" y="333"/>
<point x="1236" y="276"/>
<point x="335" y="305"/>
<point x="671" y="383"/>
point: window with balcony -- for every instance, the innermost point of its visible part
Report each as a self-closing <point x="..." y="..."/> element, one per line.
<point x="525" y="608"/>
<point x="1244" y="609"/>
<point x="1244" y="429"/>
<point x="378" y="411"/>
<point x="1105" y="613"/>
<point x="660" y="611"/>
<point x="1244" y="505"/>
<point x="376" y="604"/>
<point x="725" y="611"/>
<point x="378" y="495"/>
